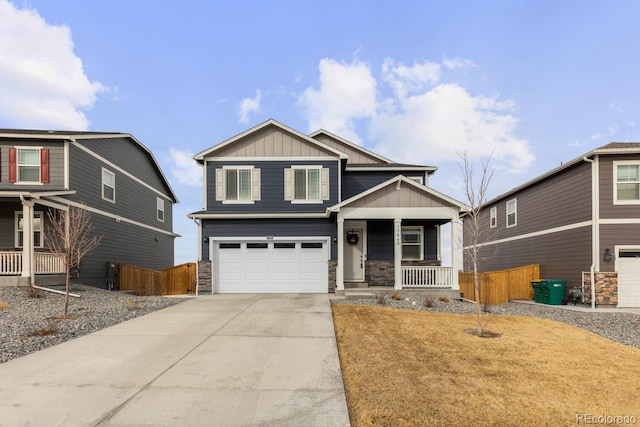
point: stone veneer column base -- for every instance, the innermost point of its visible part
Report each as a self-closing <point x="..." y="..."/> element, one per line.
<point x="606" y="288"/>
<point x="204" y="277"/>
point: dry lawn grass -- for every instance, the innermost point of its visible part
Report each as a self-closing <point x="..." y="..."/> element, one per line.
<point x="406" y="368"/>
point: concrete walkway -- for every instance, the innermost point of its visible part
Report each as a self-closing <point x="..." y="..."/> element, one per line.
<point x="219" y="360"/>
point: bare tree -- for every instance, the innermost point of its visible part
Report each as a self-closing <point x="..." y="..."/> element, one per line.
<point x="70" y="235"/>
<point x="475" y="227"/>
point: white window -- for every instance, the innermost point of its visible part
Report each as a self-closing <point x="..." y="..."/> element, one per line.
<point x="626" y="182"/>
<point x="108" y="185"/>
<point x="28" y="164"/>
<point x="160" y="209"/>
<point x="512" y="213"/>
<point x="493" y="217"/>
<point x="238" y="184"/>
<point x="412" y="243"/>
<point x="306" y="184"/>
<point x="37" y="230"/>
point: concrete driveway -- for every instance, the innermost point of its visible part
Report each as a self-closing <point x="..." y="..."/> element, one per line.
<point x="219" y="360"/>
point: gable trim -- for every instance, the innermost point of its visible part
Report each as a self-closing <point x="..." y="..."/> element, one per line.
<point x="199" y="157"/>
<point x="398" y="180"/>
<point x="351" y="145"/>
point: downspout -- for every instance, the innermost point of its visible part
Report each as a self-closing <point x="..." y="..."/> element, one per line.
<point x="595" y="228"/>
<point x="199" y="258"/>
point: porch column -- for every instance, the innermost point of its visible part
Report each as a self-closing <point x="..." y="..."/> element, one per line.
<point x="397" y="253"/>
<point x="340" y="263"/>
<point x="27" y="240"/>
<point x="455" y="258"/>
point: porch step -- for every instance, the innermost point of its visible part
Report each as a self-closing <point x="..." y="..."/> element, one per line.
<point x="356" y="285"/>
<point x="353" y="295"/>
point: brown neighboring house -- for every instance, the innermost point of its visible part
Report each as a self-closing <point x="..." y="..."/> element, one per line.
<point x="579" y="222"/>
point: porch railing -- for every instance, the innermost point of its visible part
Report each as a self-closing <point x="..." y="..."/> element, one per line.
<point x="414" y="276"/>
<point x="44" y="263"/>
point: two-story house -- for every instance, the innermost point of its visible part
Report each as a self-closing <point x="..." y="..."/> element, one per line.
<point x="579" y="222"/>
<point x="112" y="175"/>
<point x="289" y="212"/>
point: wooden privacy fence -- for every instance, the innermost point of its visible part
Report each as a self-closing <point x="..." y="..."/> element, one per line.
<point x="498" y="287"/>
<point x="178" y="280"/>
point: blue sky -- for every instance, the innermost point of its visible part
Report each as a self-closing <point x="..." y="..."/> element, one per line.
<point x="537" y="83"/>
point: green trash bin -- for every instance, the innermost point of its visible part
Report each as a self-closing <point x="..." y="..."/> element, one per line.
<point x="553" y="291"/>
<point x="537" y="291"/>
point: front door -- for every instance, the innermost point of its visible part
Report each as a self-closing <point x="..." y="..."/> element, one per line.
<point x="354" y="255"/>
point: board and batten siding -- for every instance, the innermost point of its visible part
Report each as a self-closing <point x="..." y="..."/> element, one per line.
<point x="390" y="196"/>
<point x="56" y="164"/>
<point x="269" y="227"/>
<point x="271" y="187"/>
<point x="354" y="156"/>
<point x="133" y="200"/>
<point x="273" y="141"/>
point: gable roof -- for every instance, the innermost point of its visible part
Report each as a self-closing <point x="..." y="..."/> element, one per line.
<point x="608" y="149"/>
<point x="398" y="181"/>
<point x="350" y="146"/>
<point x="76" y="135"/>
<point x="199" y="157"/>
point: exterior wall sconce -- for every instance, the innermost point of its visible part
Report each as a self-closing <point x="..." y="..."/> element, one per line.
<point x="608" y="256"/>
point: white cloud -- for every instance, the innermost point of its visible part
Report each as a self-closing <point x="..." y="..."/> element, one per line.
<point x="185" y="169"/>
<point x="611" y="130"/>
<point x="248" y="106"/>
<point x="346" y="92"/>
<point x="420" y="121"/>
<point x="457" y="63"/>
<point x="42" y="81"/>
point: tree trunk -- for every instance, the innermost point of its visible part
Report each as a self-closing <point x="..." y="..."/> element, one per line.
<point x="476" y="287"/>
<point x="66" y="294"/>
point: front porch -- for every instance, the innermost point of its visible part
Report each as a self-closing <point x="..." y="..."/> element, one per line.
<point x="390" y="236"/>
<point x="47" y="267"/>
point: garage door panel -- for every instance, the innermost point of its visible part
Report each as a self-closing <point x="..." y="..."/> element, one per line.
<point x="272" y="267"/>
<point x="628" y="267"/>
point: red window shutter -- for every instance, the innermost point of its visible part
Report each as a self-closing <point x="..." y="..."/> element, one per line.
<point x="44" y="165"/>
<point x="13" y="165"/>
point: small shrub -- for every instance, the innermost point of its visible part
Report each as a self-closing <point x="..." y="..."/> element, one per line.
<point x="33" y="292"/>
<point x="382" y="299"/>
<point x="443" y="299"/>
<point x="51" y="329"/>
<point x="396" y="296"/>
<point x="429" y="301"/>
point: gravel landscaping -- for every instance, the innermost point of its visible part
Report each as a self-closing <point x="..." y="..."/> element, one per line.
<point x="30" y="324"/>
<point x="623" y="328"/>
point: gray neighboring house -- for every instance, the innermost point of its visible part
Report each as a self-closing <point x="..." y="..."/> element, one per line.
<point x="290" y="212"/>
<point x="112" y="175"/>
<point x="579" y="221"/>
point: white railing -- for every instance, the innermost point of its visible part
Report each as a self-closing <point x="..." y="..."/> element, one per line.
<point x="10" y="263"/>
<point x="44" y="262"/>
<point x="48" y="263"/>
<point x="414" y="276"/>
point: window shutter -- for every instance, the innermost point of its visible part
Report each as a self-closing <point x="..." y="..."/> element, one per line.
<point x="220" y="185"/>
<point x="288" y="184"/>
<point x="13" y="165"/>
<point x="255" y="184"/>
<point x="44" y="165"/>
<point x="324" y="184"/>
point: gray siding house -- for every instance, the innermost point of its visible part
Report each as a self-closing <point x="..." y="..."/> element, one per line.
<point x="579" y="221"/>
<point x="112" y="175"/>
<point x="289" y="212"/>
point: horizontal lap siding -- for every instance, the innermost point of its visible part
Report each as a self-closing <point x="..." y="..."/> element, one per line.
<point x="269" y="227"/>
<point x="560" y="200"/>
<point x="380" y="244"/>
<point x="56" y="165"/>
<point x="615" y="235"/>
<point x="607" y="188"/>
<point x="562" y="255"/>
<point x="356" y="182"/>
<point x="132" y="199"/>
<point x="271" y="187"/>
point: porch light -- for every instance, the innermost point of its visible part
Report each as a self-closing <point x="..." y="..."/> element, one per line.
<point x="608" y="256"/>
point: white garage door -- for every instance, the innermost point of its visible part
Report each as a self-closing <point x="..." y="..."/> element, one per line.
<point x="274" y="266"/>
<point x="628" y="267"/>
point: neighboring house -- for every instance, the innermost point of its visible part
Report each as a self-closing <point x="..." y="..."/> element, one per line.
<point x="579" y="219"/>
<point x="289" y="212"/>
<point x="112" y="175"/>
